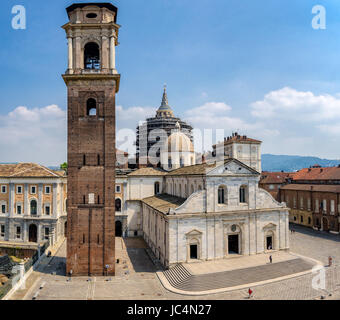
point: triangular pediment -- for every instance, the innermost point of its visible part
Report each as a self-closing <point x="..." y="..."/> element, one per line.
<point x="232" y="167"/>
<point x="194" y="232"/>
<point x="270" y="226"/>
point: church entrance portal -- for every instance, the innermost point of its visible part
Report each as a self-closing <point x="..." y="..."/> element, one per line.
<point x="269" y="243"/>
<point x="193" y="251"/>
<point x="118" y="229"/>
<point x="233" y="247"/>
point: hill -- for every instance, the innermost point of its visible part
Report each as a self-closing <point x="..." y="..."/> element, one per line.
<point x="286" y="163"/>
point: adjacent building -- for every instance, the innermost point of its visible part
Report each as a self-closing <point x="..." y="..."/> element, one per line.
<point x="273" y="181"/>
<point x="313" y="195"/>
<point x="32" y="203"/>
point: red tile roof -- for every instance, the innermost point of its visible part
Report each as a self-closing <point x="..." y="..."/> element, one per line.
<point x="275" y="177"/>
<point x="312" y="187"/>
<point x="330" y="173"/>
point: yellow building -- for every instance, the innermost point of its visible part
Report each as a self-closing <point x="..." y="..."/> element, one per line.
<point x="32" y="203"/>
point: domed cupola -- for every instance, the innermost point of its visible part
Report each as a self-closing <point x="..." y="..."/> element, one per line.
<point x="164" y="111"/>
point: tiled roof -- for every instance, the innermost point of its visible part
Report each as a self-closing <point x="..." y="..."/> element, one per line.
<point x="329" y="173"/>
<point x="275" y="177"/>
<point x="239" y="139"/>
<point x="28" y="170"/>
<point x="312" y="187"/>
<point x="148" y="172"/>
<point x="163" y="202"/>
<point x="202" y="169"/>
<point x="192" y="170"/>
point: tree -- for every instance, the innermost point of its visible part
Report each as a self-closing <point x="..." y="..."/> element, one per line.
<point x="64" y="166"/>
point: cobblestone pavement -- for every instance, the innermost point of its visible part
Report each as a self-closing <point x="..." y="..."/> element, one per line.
<point x="136" y="278"/>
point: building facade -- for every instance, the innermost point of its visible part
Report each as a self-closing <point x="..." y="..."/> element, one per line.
<point x="313" y="195"/>
<point x="32" y="203"/>
<point x="274" y="181"/>
<point x="212" y="212"/>
<point x="92" y="82"/>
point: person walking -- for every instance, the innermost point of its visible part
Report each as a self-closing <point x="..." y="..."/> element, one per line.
<point x="270" y="259"/>
<point x="250" y="292"/>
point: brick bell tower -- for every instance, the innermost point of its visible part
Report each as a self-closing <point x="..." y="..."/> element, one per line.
<point x="92" y="82"/>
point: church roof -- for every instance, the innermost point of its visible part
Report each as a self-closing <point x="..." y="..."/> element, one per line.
<point x="164" y="202"/>
<point x="204" y="168"/>
<point x="197" y="169"/>
<point x="179" y="142"/>
<point x="28" y="170"/>
<point x="148" y="172"/>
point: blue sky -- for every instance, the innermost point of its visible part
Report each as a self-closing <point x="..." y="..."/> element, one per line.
<point x="257" y="66"/>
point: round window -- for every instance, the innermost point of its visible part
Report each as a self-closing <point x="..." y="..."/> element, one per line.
<point x="91" y="15"/>
<point x="233" y="228"/>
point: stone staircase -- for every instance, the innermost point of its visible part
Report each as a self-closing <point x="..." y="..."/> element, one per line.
<point x="177" y="275"/>
<point x="180" y="278"/>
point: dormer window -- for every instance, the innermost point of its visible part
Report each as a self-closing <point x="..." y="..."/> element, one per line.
<point x="92" y="56"/>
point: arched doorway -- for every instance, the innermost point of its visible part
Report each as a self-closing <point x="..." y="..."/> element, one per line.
<point x="65" y="229"/>
<point x="32" y="233"/>
<point x="118" y="229"/>
<point x="325" y="226"/>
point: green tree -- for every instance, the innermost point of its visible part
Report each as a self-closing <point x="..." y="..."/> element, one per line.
<point x="64" y="166"/>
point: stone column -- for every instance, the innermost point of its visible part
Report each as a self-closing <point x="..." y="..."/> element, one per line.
<point x="112" y="54"/>
<point x="10" y="208"/>
<point x="39" y="235"/>
<point x="105" y="53"/>
<point x="54" y="204"/>
<point x="78" y="54"/>
<point x="26" y="204"/>
<point x="70" y="54"/>
<point x="25" y="232"/>
<point x="40" y="196"/>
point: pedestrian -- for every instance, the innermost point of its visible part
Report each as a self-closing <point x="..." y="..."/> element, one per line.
<point x="330" y="260"/>
<point x="250" y="292"/>
<point x="270" y="259"/>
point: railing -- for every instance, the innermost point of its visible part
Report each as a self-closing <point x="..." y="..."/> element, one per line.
<point x="5" y="288"/>
<point x="28" y="265"/>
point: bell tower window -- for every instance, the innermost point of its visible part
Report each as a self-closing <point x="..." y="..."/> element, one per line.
<point x="91" y="56"/>
<point x="91" y="107"/>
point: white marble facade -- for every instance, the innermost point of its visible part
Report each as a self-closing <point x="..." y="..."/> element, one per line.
<point x="206" y="228"/>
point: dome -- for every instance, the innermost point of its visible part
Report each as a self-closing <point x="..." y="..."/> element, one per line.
<point x="179" y="142"/>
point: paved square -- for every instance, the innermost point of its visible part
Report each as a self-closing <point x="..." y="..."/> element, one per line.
<point x="136" y="277"/>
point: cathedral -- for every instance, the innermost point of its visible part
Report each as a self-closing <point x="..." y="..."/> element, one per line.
<point x="189" y="212"/>
<point x="185" y="211"/>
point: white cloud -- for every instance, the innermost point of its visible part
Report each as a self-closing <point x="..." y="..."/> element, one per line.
<point x="33" y="135"/>
<point x="130" y="117"/>
<point x="290" y="104"/>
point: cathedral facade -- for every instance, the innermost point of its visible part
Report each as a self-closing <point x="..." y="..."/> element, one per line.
<point x="207" y="211"/>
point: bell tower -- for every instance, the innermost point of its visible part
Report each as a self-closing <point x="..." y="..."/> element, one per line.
<point x="92" y="82"/>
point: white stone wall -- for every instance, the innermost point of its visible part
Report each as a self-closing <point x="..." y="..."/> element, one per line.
<point x="251" y="227"/>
